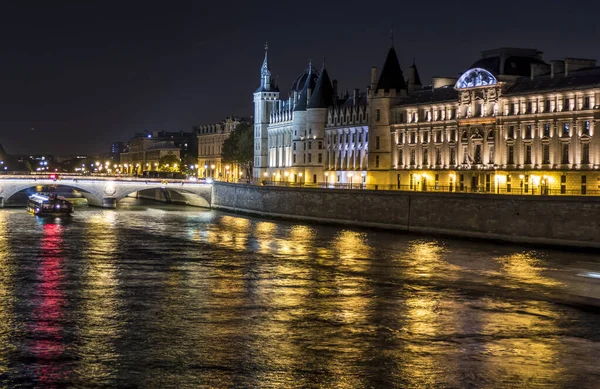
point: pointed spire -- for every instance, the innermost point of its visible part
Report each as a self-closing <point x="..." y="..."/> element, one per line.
<point x="265" y="72"/>
<point x="392" y="35"/>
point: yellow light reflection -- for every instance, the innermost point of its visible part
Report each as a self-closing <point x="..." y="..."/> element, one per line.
<point x="101" y="302"/>
<point x="517" y="358"/>
<point x="525" y="268"/>
<point x="6" y="294"/>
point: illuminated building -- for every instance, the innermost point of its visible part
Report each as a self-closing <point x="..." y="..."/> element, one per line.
<point x="144" y="150"/>
<point x="511" y="123"/>
<point x="210" y="145"/>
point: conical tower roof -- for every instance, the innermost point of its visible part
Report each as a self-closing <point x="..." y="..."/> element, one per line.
<point x="391" y="75"/>
<point x="322" y="96"/>
<point x="414" y="75"/>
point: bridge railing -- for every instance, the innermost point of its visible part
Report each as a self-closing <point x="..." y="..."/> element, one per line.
<point x="76" y="178"/>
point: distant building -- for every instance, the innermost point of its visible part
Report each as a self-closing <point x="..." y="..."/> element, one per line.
<point x="210" y="144"/>
<point x="511" y="123"/>
<point x="144" y="150"/>
<point x="117" y="148"/>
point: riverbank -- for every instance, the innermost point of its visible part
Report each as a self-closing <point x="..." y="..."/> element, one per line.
<point x="569" y="221"/>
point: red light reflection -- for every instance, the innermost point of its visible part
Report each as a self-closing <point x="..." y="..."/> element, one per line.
<point x="48" y="345"/>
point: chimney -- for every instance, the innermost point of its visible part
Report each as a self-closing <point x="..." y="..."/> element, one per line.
<point x="373" y="77"/>
<point x="355" y="97"/>
<point x="556" y="67"/>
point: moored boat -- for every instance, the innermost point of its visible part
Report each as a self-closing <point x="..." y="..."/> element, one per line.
<point x="49" y="205"/>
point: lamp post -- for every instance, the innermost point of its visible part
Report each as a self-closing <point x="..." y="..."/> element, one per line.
<point x="212" y="171"/>
<point x="227" y="173"/>
<point x="497" y="185"/>
<point x="326" y="179"/>
<point x="205" y="170"/>
<point x="521" y="177"/>
<point x="350" y="175"/>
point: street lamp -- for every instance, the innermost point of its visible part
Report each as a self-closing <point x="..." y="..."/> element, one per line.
<point x="212" y="168"/>
<point x="227" y="173"/>
<point x="350" y="175"/>
<point x="326" y="179"/>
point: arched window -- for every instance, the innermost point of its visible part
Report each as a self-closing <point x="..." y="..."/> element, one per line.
<point x="475" y="77"/>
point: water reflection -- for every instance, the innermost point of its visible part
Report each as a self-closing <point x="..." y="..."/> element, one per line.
<point x="101" y="304"/>
<point x="6" y="293"/>
<point x="47" y="345"/>
<point x="525" y="268"/>
<point x="171" y="298"/>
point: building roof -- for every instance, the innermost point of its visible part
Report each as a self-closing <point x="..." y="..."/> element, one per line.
<point x="309" y="83"/>
<point x="425" y="96"/>
<point x="391" y="74"/>
<point x="509" y="61"/>
<point x="348" y="100"/>
<point x="586" y="78"/>
<point x="322" y="97"/>
<point x="301" y="79"/>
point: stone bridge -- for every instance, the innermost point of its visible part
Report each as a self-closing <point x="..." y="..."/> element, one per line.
<point x="107" y="191"/>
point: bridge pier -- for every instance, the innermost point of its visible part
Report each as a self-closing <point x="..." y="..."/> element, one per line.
<point x="109" y="202"/>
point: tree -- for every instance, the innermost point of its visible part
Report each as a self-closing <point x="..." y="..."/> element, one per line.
<point x="239" y="147"/>
<point x="169" y="163"/>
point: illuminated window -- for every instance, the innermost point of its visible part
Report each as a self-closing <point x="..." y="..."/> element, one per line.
<point x="547" y="130"/>
<point x="586" y="128"/>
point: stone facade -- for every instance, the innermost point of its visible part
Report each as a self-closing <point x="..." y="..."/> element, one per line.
<point x="512" y="123"/>
<point x="210" y="145"/>
<point x="568" y="221"/>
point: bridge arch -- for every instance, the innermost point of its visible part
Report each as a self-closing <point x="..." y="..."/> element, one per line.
<point x="107" y="193"/>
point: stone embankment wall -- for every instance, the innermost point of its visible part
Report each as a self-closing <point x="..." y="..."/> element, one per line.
<point x="554" y="220"/>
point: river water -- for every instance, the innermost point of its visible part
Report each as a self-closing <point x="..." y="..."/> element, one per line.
<point x="165" y="296"/>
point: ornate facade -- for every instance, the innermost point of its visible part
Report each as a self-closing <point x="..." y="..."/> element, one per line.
<point x="511" y="123"/>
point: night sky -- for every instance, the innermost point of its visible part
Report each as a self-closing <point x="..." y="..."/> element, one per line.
<point x="83" y="74"/>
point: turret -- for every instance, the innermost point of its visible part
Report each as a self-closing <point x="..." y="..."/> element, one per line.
<point x="414" y="81"/>
<point x="266" y="100"/>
